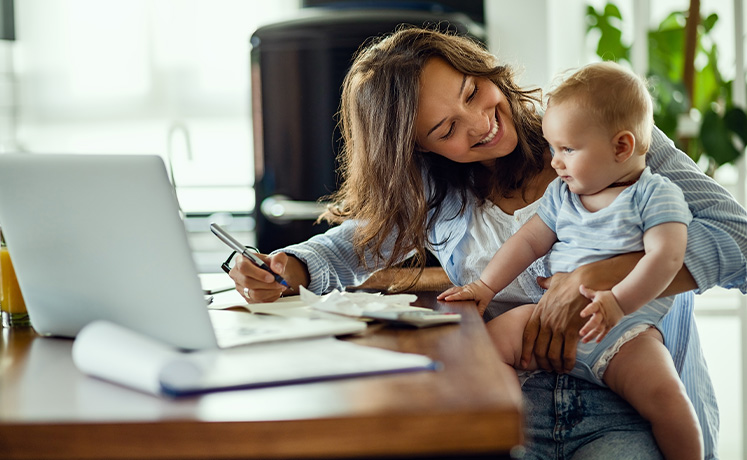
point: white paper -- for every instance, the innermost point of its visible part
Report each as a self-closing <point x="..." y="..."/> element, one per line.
<point x="355" y="303"/>
<point x="310" y="305"/>
<point x="285" y="362"/>
<point x="112" y="352"/>
<point x="234" y="328"/>
<point x="120" y="355"/>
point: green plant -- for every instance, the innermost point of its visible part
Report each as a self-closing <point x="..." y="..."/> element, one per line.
<point x="721" y="127"/>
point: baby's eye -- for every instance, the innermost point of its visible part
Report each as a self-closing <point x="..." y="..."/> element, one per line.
<point x="568" y="150"/>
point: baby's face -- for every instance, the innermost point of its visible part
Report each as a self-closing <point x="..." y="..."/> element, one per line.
<point x="583" y="150"/>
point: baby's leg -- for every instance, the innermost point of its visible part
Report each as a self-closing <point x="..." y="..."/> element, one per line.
<point x="507" y="333"/>
<point x="643" y="374"/>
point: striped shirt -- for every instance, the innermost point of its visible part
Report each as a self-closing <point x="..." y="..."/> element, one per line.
<point x="585" y="237"/>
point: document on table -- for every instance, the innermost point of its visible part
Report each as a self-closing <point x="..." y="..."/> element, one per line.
<point x="117" y="354"/>
<point x="334" y="304"/>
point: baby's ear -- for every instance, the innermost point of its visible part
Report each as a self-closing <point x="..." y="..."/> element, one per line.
<point x="624" y="143"/>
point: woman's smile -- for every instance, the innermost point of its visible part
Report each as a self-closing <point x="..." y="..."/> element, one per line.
<point x="492" y="137"/>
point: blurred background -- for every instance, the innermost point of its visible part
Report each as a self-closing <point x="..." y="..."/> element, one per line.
<point x="190" y="80"/>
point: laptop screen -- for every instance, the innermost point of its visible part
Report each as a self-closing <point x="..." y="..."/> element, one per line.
<point x="100" y="237"/>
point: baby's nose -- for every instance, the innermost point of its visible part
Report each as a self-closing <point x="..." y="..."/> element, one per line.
<point x="556" y="162"/>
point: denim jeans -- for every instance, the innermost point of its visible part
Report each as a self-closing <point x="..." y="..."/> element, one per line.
<point x="569" y="418"/>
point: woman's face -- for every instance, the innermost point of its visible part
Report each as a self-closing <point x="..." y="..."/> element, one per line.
<point x="461" y="117"/>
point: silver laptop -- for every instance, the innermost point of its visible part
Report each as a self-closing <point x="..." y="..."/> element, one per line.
<point x="100" y="237"/>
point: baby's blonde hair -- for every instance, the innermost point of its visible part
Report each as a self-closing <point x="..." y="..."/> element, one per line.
<point x="616" y="97"/>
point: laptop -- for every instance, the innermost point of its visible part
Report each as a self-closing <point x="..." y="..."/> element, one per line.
<point x="99" y="237"/>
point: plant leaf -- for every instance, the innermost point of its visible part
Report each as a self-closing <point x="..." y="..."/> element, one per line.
<point x="716" y="139"/>
<point x="736" y="120"/>
<point x="709" y="22"/>
<point x="611" y="10"/>
<point x="608" y="22"/>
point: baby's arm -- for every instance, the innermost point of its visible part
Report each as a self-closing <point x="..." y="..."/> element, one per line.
<point x="664" y="247"/>
<point x="533" y="240"/>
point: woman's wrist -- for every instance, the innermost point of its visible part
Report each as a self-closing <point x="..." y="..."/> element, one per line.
<point x="297" y="274"/>
<point x="605" y="274"/>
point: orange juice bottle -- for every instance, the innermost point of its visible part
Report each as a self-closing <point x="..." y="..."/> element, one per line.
<point x="11" y="301"/>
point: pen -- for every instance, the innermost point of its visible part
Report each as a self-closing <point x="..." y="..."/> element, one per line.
<point x="238" y="247"/>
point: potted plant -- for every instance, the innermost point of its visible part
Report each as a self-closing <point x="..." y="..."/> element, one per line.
<point x="692" y="104"/>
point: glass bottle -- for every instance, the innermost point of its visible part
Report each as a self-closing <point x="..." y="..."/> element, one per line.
<point x="12" y="305"/>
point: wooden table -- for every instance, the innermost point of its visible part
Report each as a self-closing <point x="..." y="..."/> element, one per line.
<point x="468" y="409"/>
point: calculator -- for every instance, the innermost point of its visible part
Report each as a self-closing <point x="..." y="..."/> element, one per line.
<point x="420" y="318"/>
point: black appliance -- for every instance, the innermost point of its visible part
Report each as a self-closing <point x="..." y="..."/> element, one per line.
<point x="7" y="20"/>
<point x="297" y="69"/>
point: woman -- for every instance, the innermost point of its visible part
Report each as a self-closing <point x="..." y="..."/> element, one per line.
<point x="443" y="152"/>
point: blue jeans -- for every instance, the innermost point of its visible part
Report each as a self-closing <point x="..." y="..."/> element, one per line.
<point x="569" y="418"/>
<point x="566" y="416"/>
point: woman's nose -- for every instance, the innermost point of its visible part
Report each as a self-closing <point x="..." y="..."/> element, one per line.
<point x="480" y="124"/>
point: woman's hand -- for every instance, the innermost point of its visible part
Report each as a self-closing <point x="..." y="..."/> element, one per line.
<point x="257" y="285"/>
<point x="552" y="332"/>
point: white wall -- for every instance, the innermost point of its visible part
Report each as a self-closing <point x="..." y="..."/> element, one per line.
<point x="542" y="37"/>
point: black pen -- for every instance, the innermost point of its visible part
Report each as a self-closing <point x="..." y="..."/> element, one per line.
<point x="238" y="247"/>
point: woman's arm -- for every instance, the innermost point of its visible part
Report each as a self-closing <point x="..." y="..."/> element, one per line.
<point x="717" y="236"/>
<point x="324" y="262"/>
<point x="556" y="320"/>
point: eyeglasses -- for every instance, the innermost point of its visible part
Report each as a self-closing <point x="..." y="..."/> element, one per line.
<point x="226" y="266"/>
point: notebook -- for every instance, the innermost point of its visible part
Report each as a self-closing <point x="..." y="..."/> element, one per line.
<point x="99" y="237"/>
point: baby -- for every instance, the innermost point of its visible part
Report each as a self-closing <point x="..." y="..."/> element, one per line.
<point x="605" y="202"/>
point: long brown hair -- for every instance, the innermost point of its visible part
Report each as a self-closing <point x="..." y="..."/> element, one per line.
<point x="383" y="171"/>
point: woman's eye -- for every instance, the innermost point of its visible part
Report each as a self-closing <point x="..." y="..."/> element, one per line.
<point x="552" y="151"/>
<point x="448" y="133"/>
<point x="473" y="94"/>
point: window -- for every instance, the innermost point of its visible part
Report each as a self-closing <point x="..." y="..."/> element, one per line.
<point x="166" y="77"/>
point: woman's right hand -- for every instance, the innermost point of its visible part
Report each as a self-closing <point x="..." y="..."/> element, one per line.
<point x="257" y="285"/>
<point x="552" y="333"/>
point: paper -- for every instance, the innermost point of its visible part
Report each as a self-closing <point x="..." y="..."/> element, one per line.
<point x="120" y="355"/>
<point x="284" y="363"/>
<point x="114" y="353"/>
<point x="234" y="328"/>
<point x="355" y="303"/>
<point x="334" y="304"/>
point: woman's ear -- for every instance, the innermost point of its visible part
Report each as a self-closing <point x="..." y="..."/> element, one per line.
<point x="624" y="143"/>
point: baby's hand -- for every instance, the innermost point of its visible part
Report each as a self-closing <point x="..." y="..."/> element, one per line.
<point x="477" y="290"/>
<point x="605" y="312"/>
